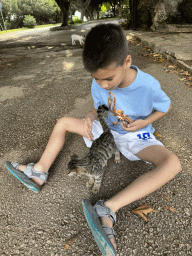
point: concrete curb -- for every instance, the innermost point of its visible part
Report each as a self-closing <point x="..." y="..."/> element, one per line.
<point x="165" y="52"/>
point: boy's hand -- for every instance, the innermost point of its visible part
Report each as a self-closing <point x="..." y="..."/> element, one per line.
<point x="88" y="128"/>
<point x="133" y="127"/>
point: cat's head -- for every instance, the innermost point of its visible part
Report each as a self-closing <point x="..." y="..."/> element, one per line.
<point x="103" y="108"/>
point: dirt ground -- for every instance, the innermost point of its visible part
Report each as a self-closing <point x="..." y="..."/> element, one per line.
<point x="42" y="79"/>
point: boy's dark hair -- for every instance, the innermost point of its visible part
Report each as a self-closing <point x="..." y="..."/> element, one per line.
<point x="104" y="44"/>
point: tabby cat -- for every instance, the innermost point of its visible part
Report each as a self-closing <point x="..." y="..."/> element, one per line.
<point x="101" y="150"/>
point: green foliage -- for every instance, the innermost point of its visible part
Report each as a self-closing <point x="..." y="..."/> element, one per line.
<point x="76" y="19"/>
<point x="125" y="10"/>
<point x="14" y="11"/>
<point x="8" y="24"/>
<point x="29" y="21"/>
<point x="105" y="7"/>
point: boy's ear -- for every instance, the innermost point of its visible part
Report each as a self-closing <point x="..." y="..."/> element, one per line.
<point x="128" y="61"/>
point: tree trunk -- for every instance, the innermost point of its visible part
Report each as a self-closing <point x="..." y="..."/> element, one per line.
<point x="97" y="14"/>
<point x="64" y="6"/>
<point x="84" y="6"/>
<point x="133" y="10"/>
<point x="119" y="9"/>
<point x="82" y="13"/>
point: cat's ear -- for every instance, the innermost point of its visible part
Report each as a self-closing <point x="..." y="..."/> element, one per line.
<point x="105" y="107"/>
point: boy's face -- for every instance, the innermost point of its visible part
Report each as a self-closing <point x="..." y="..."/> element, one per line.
<point x="113" y="76"/>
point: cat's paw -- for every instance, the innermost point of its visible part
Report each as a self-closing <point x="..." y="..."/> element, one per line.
<point x="95" y="190"/>
<point x="117" y="160"/>
<point x="90" y="182"/>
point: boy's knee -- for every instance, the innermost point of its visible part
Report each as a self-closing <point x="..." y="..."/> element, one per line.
<point x="175" y="163"/>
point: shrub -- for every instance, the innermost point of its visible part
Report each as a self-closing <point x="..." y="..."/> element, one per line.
<point x="76" y="19"/>
<point x="8" y="24"/>
<point x="29" y="21"/>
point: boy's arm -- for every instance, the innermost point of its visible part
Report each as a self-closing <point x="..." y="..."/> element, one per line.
<point x="92" y="114"/>
<point x="139" y="124"/>
<point x="89" y="118"/>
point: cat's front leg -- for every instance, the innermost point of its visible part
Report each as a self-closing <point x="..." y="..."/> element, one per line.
<point x="90" y="182"/>
<point x="117" y="157"/>
<point x="96" y="186"/>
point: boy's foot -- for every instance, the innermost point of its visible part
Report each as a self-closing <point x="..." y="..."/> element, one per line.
<point x="30" y="175"/>
<point x="104" y="234"/>
<point x="107" y="222"/>
<point x="107" y="219"/>
<point x="37" y="168"/>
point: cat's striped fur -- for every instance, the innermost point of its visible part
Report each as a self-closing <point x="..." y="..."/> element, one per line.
<point x="101" y="150"/>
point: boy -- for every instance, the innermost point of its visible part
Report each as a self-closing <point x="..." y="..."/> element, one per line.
<point x="125" y="89"/>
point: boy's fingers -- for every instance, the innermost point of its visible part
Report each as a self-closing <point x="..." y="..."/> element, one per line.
<point x="124" y="124"/>
<point x="90" y="135"/>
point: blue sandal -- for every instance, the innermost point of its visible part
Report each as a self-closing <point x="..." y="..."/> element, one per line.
<point x="100" y="233"/>
<point x="25" y="177"/>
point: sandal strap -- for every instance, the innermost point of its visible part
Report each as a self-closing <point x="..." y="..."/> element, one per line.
<point x="109" y="231"/>
<point x="16" y="165"/>
<point x="31" y="173"/>
<point x="103" y="211"/>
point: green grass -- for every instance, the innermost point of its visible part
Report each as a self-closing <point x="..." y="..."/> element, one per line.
<point x="20" y="29"/>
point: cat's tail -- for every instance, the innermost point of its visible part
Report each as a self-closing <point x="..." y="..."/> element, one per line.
<point x="102" y="120"/>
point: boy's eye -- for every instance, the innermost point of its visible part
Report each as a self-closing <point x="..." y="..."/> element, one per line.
<point x="107" y="79"/>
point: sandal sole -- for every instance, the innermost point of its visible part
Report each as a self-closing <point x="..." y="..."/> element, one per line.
<point x="99" y="235"/>
<point x="22" y="177"/>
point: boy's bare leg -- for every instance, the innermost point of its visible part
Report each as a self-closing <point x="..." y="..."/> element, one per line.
<point x="167" y="166"/>
<point x="56" y="142"/>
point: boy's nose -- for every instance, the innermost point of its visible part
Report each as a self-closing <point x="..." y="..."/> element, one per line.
<point x="104" y="85"/>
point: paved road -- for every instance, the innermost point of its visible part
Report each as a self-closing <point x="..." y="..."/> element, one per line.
<point x="46" y="30"/>
<point x="23" y="33"/>
<point x="42" y="79"/>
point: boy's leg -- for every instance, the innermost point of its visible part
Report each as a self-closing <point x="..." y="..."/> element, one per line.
<point x="55" y="143"/>
<point x="167" y="166"/>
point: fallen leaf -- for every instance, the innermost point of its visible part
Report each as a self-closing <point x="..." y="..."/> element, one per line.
<point x="157" y="134"/>
<point x="182" y="79"/>
<point x="172" y="66"/>
<point x="186" y="73"/>
<point x="157" y="55"/>
<point x="169" y="208"/>
<point x="71" y="241"/>
<point x="142" y="211"/>
<point x="166" y="197"/>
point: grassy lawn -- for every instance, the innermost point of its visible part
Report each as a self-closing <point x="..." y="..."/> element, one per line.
<point x="20" y="29"/>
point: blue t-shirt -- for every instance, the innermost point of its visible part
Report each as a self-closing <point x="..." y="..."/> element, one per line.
<point x="137" y="101"/>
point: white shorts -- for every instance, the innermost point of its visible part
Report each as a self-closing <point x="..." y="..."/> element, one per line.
<point x="129" y="144"/>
